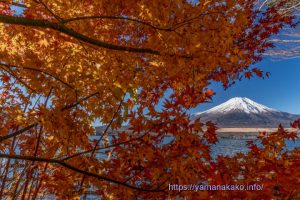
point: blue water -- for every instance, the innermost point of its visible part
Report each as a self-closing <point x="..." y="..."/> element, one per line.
<point x="231" y="146"/>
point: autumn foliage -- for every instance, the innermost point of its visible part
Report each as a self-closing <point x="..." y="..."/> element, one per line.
<point x="65" y="64"/>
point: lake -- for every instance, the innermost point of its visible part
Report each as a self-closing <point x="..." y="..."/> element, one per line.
<point x="229" y="145"/>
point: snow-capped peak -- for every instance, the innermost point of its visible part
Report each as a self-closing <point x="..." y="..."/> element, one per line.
<point x="242" y="104"/>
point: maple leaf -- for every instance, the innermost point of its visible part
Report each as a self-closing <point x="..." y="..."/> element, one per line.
<point x="248" y="75"/>
<point x="296" y="124"/>
<point x="258" y="72"/>
<point x="209" y="94"/>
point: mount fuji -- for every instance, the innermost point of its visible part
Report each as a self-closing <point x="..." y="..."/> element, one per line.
<point x="241" y="112"/>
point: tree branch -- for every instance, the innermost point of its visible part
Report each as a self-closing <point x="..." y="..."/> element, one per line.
<point x="99" y="140"/>
<point x="66" y="165"/>
<point x="70" y="32"/>
<point x="105" y="147"/>
<point x="16" y="133"/>
<point x="9" y="71"/>
<point x="168" y="29"/>
<point x="78" y="102"/>
<point x="38" y="70"/>
<point x="117" y="18"/>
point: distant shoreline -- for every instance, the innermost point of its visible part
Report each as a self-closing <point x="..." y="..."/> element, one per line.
<point x="248" y="133"/>
<point x="251" y="130"/>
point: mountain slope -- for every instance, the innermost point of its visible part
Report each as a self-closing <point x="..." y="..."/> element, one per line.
<point x="243" y="112"/>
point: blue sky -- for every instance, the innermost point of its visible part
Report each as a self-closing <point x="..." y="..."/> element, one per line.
<point x="280" y="91"/>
